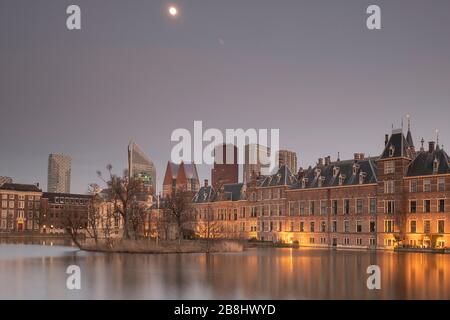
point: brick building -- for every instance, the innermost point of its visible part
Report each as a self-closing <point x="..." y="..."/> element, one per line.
<point x="226" y="167"/>
<point x="400" y="198"/>
<point x="181" y="176"/>
<point x="20" y="207"/>
<point x="57" y="208"/>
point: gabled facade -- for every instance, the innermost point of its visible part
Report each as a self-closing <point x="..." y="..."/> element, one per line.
<point x="181" y="176"/>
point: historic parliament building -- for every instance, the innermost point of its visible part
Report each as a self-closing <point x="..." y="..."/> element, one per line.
<point x="401" y="198"/>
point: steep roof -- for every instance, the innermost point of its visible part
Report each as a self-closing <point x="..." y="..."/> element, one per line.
<point x="228" y="192"/>
<point x="399" y="146"/>
<point x="20" y="187"/>
<point x="349" y="170"/>
<point x="283" y="177"/>
<point x="423" y="164"/>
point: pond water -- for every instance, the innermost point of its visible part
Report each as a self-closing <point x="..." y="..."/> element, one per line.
<point x="39" y="272"/>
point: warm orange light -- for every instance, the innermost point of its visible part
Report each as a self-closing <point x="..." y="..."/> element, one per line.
<point x="173" y="11"/>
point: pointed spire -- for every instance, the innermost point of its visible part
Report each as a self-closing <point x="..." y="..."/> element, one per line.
<point x="437" y="137"/>
<point x="409" y="138"/>
<point x="339" y="157"/>
<point x="422" y="142"/>
<point x="409" y="121"/>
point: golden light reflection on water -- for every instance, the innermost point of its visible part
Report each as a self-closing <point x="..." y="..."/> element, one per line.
<point x="254" y="274"/>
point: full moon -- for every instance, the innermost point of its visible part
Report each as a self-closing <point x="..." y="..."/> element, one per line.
<point x="173" y="11"/>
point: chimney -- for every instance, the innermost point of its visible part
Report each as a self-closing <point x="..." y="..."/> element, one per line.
<point x="386" y="139"/>
<point x="320" y="162"/>
<point x="431" y="146"/>
<point x="206" y="183"/>
<point x="37" y="184"/>
<point x="327" y="160"/>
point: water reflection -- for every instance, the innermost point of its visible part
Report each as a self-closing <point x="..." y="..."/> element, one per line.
<point x="38" y="272"/>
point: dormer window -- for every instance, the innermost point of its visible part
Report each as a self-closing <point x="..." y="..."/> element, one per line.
<point x="435" y="166"/>
<point x="362" y="177"/>
<point x="304" y="181"/>
<point x="391" y="151"/>
<point x="341" y="179"/>
<point x="318" y="171"/>
<point x="355" y="168"/>
<point x="320" y="182"/>
<point x="335" y="171"/>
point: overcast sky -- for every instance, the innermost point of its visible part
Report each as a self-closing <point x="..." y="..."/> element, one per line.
<point x="310" y="68"/>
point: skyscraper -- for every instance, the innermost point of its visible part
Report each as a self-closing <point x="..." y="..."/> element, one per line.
<point x="254" y="166"/>
<point x="289" y="159"/>
<point x="59" y="171"/>
<point x="225" y="170"/>
<point x="141" y="166"/>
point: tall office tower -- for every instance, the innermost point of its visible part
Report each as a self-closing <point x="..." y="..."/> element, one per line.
<point x="59" y="170"/>
<point x="226" y="167"/>
<point x="141" y="166"/>
<point x="253" y="166"/>
<point x="288" y="158"/>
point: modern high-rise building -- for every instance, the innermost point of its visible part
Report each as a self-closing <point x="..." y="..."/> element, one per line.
<point x="141" y="166"/>
<point x="59" y="171"/>
<point x="253" y="166"/>
<point x="226" y="167"/>
<point x="289" y="159"/>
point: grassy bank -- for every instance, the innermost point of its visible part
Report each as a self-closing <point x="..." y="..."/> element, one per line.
<point x="152" y="247"/>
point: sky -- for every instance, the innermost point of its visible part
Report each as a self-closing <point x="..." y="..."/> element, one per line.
<point x="309" y="68"/>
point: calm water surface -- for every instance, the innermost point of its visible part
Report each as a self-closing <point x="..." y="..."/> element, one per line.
<point x="38" y="272"/>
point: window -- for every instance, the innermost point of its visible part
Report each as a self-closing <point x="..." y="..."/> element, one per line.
<point x="372" y="226"/>
<point x="323" y="207"/>
<point x="11" y="204"/>
<point x="427" y="206"/>
<point x="358" y="226"/>
<point x="372" y="242"/>
<point x="441" y="205"/>
<point x="292" y="208"/>
<point x="302" y="226"/>
<point x="435" y="166"/>
<point x="373" y="206"/>
<point x="21" y="204"/>
<point x="441" y="184"/>
<point x="388" y="226"/>
<point x="292" y="226"/>
<point x="312" y="208"/>
<point x="358" y="241"/>
<point x="4" y="204"/>
<point x="346" y="226"/>
<point x="334" y="226"/>
<point x="4" y="214"/>
<point x="302" y="208"/>
<point x="426" y="226"/>
<point x="389" y="187"/>
<point x="346" y="241"/>
<point x="311" y="226"/>
<point x="413" y="186"/>
<point x="311" y="240"/>
<point x="390" y="206"/>
<point x="391" y="151"/>
<point x="3" y="224"/>
<point x="4" y="196"/>
<point x="359" y="206"/>
<point x="441" y="226"/>
<point x="334" y="209"/>
<point x="426" y="185"/>
<point x="21" y="197"/>
<point x="323" y="226"/>
<point x="346" y="206"/>
<point x="389" y="167"/>
<point x="413" y="226"/>
<point x="413" y="206"/>
<point x="11" y="197"/>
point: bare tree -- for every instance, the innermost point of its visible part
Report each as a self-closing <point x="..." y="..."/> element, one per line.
<point x="73" y="223"/>
<point x="124" y="191"/>
<point x="178" y="209"/>
<point x="208" y="227"/>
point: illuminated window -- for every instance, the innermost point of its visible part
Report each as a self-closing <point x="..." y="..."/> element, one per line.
<point x="389" y="167"/>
